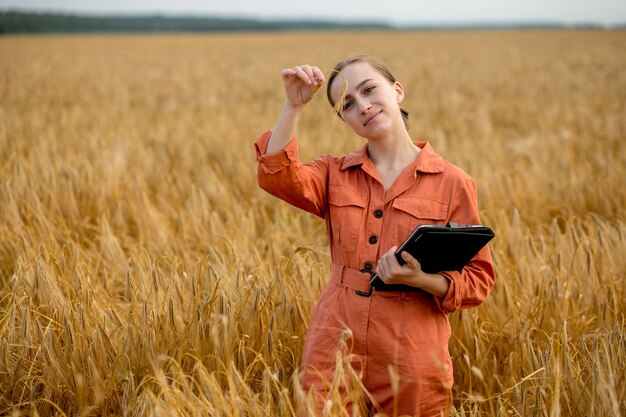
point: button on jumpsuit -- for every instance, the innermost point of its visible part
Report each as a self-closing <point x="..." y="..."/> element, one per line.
<point x="397" y="341"/>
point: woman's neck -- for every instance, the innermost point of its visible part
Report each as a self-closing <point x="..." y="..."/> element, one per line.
<point x="393" y="152"/>
<point x="391" y="156"/>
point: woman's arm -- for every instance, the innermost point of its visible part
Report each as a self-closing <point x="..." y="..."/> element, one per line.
<point x="300" y="83"/>
<point x="280" y="171"/>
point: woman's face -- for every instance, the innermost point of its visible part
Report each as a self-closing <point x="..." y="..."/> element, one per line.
<point x="372" y="103"/>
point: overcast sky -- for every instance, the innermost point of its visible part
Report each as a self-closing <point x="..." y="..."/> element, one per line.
<point x="392" y="11"/>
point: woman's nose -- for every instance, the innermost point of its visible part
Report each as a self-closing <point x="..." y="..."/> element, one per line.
<point x="364" y="106"/>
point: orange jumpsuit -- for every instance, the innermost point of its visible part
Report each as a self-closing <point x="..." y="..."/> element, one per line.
<point x="397" y="341"/>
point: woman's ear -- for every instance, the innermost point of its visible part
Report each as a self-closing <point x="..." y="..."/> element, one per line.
<point x="399" y="91"/>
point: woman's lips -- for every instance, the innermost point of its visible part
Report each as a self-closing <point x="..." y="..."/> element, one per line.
<point x="371" y="118"/>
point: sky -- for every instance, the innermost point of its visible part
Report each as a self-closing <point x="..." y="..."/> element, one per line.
<point x="398" y="12"/>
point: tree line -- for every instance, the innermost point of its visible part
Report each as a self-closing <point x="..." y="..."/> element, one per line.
<point x="21" y="22"/>
<point x="13" y="21"/>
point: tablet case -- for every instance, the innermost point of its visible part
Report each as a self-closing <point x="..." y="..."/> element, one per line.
<point x="440" y="248"/>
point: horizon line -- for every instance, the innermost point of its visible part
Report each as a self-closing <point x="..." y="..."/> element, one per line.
<point x="356" y="21"/>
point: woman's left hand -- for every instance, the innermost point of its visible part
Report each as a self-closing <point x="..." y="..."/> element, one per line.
<point x="391" y="272"/>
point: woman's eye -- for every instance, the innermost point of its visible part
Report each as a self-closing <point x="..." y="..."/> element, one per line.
<point x="347" y="105"/>
<point x="369" y="90"/>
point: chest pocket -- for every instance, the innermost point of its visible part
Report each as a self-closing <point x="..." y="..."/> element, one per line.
<point x="410" y="212"/>
<point x="346" y="207"/>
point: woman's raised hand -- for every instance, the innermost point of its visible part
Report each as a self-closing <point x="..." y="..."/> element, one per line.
<point x="301" y="83"/>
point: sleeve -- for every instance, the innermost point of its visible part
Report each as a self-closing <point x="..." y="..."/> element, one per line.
<point x="471" y="286"/>
<point x="282" y="175"/>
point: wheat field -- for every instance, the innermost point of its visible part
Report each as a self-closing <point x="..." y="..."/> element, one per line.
<point x="143" y="272"/>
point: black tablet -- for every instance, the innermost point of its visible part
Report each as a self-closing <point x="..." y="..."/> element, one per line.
<point x="442" y="247"/>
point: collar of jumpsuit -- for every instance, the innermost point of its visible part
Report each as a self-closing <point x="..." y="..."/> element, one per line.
<point x="428" y="161"/>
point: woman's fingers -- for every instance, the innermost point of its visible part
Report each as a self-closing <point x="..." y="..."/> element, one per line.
<point x="287" y="72"/>
<point x="314" y="73"/>
<point x="319" y="75"/>
<point x="311" y="75"/>
<point x="385" y="265"/>
<point x="295" y="73"/>
<point x="309" y="71"/>
<point x="303" y="75"/>
<point x="410" y="260"/>
<point x="381" y="270"/>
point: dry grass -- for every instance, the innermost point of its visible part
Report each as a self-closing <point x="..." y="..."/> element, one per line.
<point x="144" y="273"/>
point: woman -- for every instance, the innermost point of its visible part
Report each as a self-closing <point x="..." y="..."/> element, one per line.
<point x="372" y="198"/>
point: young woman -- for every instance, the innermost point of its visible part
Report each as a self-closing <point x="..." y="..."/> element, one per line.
<point x="372" y="198"/>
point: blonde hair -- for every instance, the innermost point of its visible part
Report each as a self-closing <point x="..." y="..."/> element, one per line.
<point x="377" y="64"/>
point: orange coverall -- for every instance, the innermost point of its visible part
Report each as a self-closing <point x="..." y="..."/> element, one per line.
<point x="405" y="331"/>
